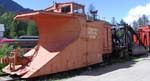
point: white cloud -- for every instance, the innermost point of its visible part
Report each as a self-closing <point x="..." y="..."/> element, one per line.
<point x="137" y="12"/>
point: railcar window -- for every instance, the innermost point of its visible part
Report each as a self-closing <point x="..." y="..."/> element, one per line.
<point x="78" y="10"/>
<point x="65" y="9"/>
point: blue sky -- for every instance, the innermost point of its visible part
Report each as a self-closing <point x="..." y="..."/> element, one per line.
<point x="107" y="8"/>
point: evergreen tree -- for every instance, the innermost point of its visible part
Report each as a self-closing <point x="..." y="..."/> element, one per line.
<point x="122" y="22"/>
<point x="7" y="19"/>
<point x="145" y="20"/>
<point x="2" y="10"/>
<point x="14" y="29"/>
<point x="113" y="21"/>
<point x="32" y="29"/>
<point x="142" y="21"/>
<point x="135" y="25"/>
<point x="91" y="7"/>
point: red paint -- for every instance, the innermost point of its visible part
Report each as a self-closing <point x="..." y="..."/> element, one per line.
<point x="144" y="34"/>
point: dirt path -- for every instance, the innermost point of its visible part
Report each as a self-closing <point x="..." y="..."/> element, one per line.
<point x="137" y="70"/>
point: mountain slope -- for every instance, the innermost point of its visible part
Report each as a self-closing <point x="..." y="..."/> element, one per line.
<point x="12" y="6"/>
<point x="2" y="10"/>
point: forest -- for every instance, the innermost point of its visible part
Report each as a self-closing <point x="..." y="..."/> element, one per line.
<point x="14" y="29"/>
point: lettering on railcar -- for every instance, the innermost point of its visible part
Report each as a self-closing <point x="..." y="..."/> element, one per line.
<point x="92" y="33"/>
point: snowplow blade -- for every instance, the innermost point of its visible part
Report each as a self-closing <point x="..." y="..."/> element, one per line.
<point x="138" y="50"/>
<point x="58" y="34"/>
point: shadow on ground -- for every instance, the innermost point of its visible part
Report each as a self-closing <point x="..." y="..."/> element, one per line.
<point x="94" y="70"/>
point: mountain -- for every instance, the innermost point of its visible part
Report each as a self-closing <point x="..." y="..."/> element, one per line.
<point x="2" y="10"/>
<point x="10" y="5"/>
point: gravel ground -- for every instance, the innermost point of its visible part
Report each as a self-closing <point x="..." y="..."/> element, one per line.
<point x="136" y="70"/>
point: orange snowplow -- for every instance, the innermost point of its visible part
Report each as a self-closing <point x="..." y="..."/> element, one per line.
<point x="67" y="40"/>
<point x="144" y="33"/>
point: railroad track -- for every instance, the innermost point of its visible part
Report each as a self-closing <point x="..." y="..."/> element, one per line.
<point x="7" y="77"/>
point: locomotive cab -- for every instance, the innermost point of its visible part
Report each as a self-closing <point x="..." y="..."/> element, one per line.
<point x="67" y="8"/>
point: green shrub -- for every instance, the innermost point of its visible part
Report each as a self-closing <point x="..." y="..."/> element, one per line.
<point x="5" y="51"/>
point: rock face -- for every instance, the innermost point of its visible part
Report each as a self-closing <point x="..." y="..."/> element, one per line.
<point x="10" y="5"/>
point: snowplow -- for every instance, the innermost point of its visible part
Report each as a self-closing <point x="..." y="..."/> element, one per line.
<point x="67" y="40"/>
<point x="123" y="41"/>
<point x="144" y="33"/>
